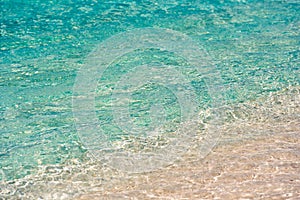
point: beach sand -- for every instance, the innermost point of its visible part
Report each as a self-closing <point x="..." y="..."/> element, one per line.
<point x="268" y="168"/>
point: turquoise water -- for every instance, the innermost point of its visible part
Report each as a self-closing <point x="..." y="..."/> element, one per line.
<point x="254" y="46"/>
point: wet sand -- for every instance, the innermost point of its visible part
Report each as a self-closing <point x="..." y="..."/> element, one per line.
<point x="265" y="168"/>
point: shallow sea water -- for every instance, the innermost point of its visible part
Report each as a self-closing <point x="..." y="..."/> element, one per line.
<point x="253" y="47"/>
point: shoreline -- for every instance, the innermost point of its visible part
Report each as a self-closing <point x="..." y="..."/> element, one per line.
<point x="267" y="167"/>
<point x="257" y="157"/>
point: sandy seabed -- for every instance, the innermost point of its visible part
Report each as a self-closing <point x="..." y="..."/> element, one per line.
<point x="263" y="163"/>
<point x="264" y="168"/>
<point x="258" y="157"/>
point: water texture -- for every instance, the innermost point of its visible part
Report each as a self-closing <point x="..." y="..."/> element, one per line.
<point x="253" y="49"/>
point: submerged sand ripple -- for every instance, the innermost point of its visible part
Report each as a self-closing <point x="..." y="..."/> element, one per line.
<point x="267" y="168"/>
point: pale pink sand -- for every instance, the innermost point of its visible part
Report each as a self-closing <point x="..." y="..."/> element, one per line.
<point x="265" y="168"/>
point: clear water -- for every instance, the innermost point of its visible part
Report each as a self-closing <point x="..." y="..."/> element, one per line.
<point x="254" y="46"/>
